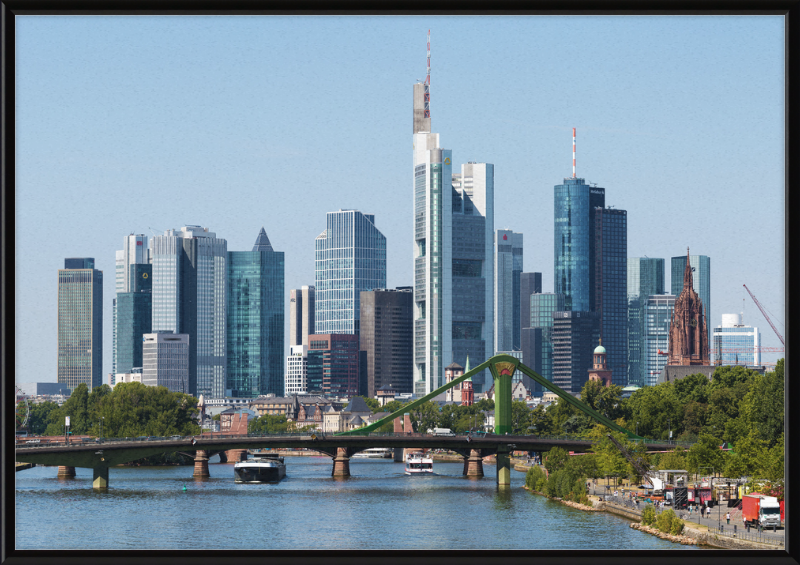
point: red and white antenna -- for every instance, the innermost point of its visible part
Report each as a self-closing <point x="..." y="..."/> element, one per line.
<point x="428" y="81"/>
<point x="573" y="152"/>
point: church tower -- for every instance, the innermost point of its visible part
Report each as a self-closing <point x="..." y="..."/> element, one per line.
<point x="688" y="333"/>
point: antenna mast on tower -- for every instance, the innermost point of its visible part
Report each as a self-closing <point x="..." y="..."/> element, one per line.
<point x="428" y="81"/>
<point x="573" y="152"/>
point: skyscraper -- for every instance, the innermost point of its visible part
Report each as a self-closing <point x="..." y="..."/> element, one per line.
<point x="350" y="257"/>
<point x="453" y="263"/>
<point x="537" y="351"/>
<point x="610" y="280"/>
<point x="133" y="317"/>
<point x="333" y="363"/>
<point x="134" y="252"/>
<point x="701" y="279"/>
<point x="80" y="323"/>
<point x="387" y="337"/>
<point x="507" y="270"/>
<point x="166" y="361"/>
<point x="255" y="320"/>
<point x="657" y="313"/>
<point x="645" y="278"/>
<point x="189" y="297"/>
<point x="735" y="343"/>
<point x="530" y="283"/>
<point x="301" y="315"/>
<point x="574" y="243"/>
<point x="575" y="336"/>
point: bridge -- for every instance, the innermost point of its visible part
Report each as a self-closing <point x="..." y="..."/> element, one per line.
<point x="341" y="446"/>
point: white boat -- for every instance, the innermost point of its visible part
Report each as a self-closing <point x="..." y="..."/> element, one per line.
<point x="375" y="453"/>
<point x="260" y="470"/>
<point x="418" y="464"/>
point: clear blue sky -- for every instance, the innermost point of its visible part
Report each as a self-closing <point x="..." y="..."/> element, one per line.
<point x="234" y="123"/>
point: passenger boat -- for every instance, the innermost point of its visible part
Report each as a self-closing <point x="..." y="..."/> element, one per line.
<point x="418" y="464"/>
<point x="374" y="453"/>
<point x="264" y="469"/>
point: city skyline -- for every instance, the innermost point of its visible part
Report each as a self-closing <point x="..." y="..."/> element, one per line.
<point x="650" y="149"/>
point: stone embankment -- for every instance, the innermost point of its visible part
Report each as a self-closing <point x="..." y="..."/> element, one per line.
<point x="577" y="505"/>
<point x="681" y="539"/>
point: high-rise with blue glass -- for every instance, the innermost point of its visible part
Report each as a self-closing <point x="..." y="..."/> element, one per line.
<point x="134" y="252"/>
<point x="574" y="242"/>
<point x="538" y="338"/>
<point x="735" y="343"/>
<point x="507" y="271"/>
<point x="645" y="278"/>
<point x="610" y="281"/>
<point x="350" y="257"/>
<point x="255" y="320"/>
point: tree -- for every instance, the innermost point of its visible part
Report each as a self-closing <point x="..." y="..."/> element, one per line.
<point x="673" y="460"/>
<point x="705" y="453"/>
<point x="520" y="417"/>
<point x="393" y="406"/>
<point x="268" y="424"/>
<point x="426" y="416"/>
<point x="555" y="459"/>
<point x="654" y="410"/>
<point x="40" y="416"/>
<point x="373" y="404"/>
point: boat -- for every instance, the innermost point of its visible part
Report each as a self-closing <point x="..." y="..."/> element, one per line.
<point x="264" y="469"/>
<point x="418" y="464"/>
<point x="375" y="453"/>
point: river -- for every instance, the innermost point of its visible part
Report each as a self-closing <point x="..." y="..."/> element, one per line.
<point x="378" y="507"/>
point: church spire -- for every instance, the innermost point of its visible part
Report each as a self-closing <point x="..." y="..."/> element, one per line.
<point x="687" y="272"/>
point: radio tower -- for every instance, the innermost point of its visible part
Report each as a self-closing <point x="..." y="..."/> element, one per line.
<point x="428" y="81"/>
<point x="573" y="151"/>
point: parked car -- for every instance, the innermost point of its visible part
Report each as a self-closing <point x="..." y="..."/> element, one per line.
<point x="142" y="438"/>
<point x="175" y="437"/>
<point x="34" y="441"/>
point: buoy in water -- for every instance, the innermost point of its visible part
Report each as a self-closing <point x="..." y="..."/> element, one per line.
<point x="184" y="486"/>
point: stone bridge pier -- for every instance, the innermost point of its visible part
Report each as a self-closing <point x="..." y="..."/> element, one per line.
<point x="473" y="464"/>
<point x="200" y="464"/>
<point x="341" y="463"/>
<point x="65" y="472"/>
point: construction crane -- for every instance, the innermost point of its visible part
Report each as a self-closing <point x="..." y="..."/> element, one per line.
<point x="780" y="337"/>
<point x="642" y="467"/>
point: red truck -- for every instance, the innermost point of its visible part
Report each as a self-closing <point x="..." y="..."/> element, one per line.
<point x="761" y="509"/>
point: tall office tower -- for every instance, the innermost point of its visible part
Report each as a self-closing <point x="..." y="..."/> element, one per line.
<point x="575" y="336"/>
<point x="610" y="280"/>
<point x="134" y="252"/>
<point x="333" y="364"/>
<point x="655" y="338"/>
<point x="80" y="324"/>
<point x="701" y="280"/>
<point x="134" y="317"/>
<point x="529" y="283"/>
<point x="574" y="243"/>
<point x="645" y="278"/>
<point x="350" y="257"/>
<point x="255" y="320"/>
<point x="297" y="371"/>
<point x="735" y="343"/>
<point x="537" y="340"/>
<point x="301" y="315"/>
<point x="387" y="337"/>
<point x="507" y="270"/>
<point x="471" y="300"/>
<point x="166" y="361"/>
<point x="516" y="279"/>
<point x="190" y="275"/>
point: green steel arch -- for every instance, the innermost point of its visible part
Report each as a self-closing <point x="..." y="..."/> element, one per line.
<point x="502" y="368"/>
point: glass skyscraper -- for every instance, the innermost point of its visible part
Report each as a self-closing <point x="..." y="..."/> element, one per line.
<point x="255" y="320"/>
<point x="350" y="257"/>
<point x="657" y="316"/>
<point x="610" y="280"/>
<point x="80" y="324"/>
<point x="189" y="297"/>
<point x="507" y="271"/>
<point x="574" y="242"/>
<point x="134" y="252"/>
<point x="540" y="334"/>
<point x="133" y="318"/>
<point x="645" y="278"/>
<point x="735" y="343"/>
<point x="701" y="282"/>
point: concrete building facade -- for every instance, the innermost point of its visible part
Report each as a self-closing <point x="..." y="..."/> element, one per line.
<point x="297" y="370"/>
<point x="387" y="337"/>
<point x="166" y="361"/>
<point x="80" y="324"/>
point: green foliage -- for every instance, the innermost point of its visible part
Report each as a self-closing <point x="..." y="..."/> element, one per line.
<point x="533" y="476"/>
<point x="654" y="410"/>
<point x="541" y="484"/>
<point x="673" y="460"/>
<point x="40" y="417"/>
<point x="648" y="515"/>
<point x="268" y="424"/>
<point x="556" y="459"/>
<point x="669" y="523"/>
<point x="425" y="416"/>
<point x="127" y="410"/>
<point x="705" y="453"/>
<point x="373" y="404"/>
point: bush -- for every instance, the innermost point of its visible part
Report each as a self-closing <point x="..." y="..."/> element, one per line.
<point x="533" y="476"/>
<point x="669" y="523"/>
<point x="585" y="500"/>
<point x="648" y="515"/>
<point x="541" y="485"/>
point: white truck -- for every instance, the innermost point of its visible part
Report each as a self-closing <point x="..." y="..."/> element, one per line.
<point x="760" y="509"/>
<point x="442" y="432"/>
